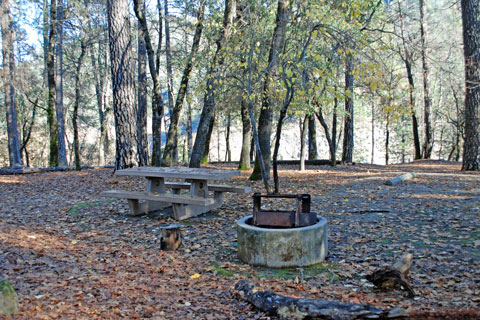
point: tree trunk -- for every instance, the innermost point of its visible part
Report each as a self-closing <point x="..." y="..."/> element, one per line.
<point x="51" y="118"/>
<point x="189" y="130"/>
<point x="411" y="89"/>
<point x="278" y="136"/>
<point x="333" y="151"/>
<point x="60" y="109"/>
<point x="206" y="151"/>
<point x="212" y="77"/>
<point x="330" y="139"/>
<point x="45" y="33"/>
<point x="471" y="51"/>
<point x="303" y="137"/>
<point x="142" y="137"/>
<point x="27" y="132"/>
<point x="168" y="60"/>
<point x="347" y="154"/>
<point x="76" y="142"/>
<point x="228" y="151"/>
<point x="124" y="107"/>
<point x="407" y="58"/>
<point x="387" y="139"/>
<point x="373" y="133"/>
<point x="168" y="153"/>
<point x="427" y="101"/>
<point x="14" y="154"/>
<point x="458" y="128"/>
<point x="312" y="138"/>
<point x="246" y="137"/>
<point x="255" y="139"/>
<point x="153" y="64"/>
<point x="99" y="74"/>
<point x="266" y="113"/>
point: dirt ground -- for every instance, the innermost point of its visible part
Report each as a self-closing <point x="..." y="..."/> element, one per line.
<point x="71" y="254"/>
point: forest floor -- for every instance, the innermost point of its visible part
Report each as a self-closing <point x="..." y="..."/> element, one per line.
<point x="71" y="254"/>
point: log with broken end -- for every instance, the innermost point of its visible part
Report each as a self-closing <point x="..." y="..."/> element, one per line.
<point x="400" y="179"/>
<point x="394" y="277"/>
<point x="293" y="308"/>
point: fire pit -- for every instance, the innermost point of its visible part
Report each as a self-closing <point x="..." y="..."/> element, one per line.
<point x="282" y="238"/>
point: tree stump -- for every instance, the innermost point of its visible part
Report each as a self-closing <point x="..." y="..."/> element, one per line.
<point x="170" y="237"/>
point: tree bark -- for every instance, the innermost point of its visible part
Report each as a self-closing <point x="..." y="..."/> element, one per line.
<point x="347" y="152"/>
<point x="212" y="77"/>
<point x="458" y="128"/>
<point x="27" y="132"/>
<point x="228" y="151"/>
<point x="387" y="139"/>
<point x="303" y="138"/>
<point x="45" y="33"/>
<point x="99" y="74"/>
<point x="330" y="139"/>
<point x="76" y="142"/>
<point x="246" y="137"/>
<point x="142" y="137"/>
<point x="153" y="64"/>
<point x="124" y="107"/>
<point x="189" y="130"/>
<point x="266" y="114"/>
<point x="206" y="150"/>
<point x="427" y="100"/>
<point x="60" y="109"/>
<point x="312" y="138"/>
<point x="411" y="91"/>
<point x="51" y="118"/>
<point x="373" y="134"/>
<point x="14" y="154"/>
<point x="471" y="51"/>
<point x="333" y="155"/>
<point x="168" y="60"/>
<point x="407" y="58"/>
<point x="283" y="114"/>
<point x="168" y="153"/>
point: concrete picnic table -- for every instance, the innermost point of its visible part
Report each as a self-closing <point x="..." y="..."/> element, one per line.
<point x="197" y="180"/>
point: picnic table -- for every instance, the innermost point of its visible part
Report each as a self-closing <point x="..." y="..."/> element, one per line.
<point x="196" y="180"/>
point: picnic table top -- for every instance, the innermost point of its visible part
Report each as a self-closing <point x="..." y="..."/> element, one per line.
<point x="181" y="173"/>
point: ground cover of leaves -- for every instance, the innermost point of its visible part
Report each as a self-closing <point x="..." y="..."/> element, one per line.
<point x="71" y="254"/>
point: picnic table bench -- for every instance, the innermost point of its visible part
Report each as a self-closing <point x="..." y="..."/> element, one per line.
<point x="198" y="200"/>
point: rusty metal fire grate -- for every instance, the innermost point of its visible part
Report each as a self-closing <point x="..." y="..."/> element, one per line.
<point x="301" y="217"/>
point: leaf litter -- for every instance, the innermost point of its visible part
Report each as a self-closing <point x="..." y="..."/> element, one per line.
<point x="71" y="254"/>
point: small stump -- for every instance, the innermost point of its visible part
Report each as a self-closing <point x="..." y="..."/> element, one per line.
<point x="171" y="237"/>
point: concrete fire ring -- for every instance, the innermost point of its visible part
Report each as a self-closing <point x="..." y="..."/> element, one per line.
<point x="282" y="247"/>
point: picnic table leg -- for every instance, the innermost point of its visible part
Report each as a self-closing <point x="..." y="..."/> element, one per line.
<point x="156" y="185"/>
<point x="136" y="207"/>
<point x="198" y="188"/>
<point x="218" y="196"/>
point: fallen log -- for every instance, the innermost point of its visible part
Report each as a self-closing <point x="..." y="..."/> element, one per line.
<point x="395" y="277"/>
<point x="400" y="179"/>
<point x="26" y="170"/>
<point x="293" y="308"/>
